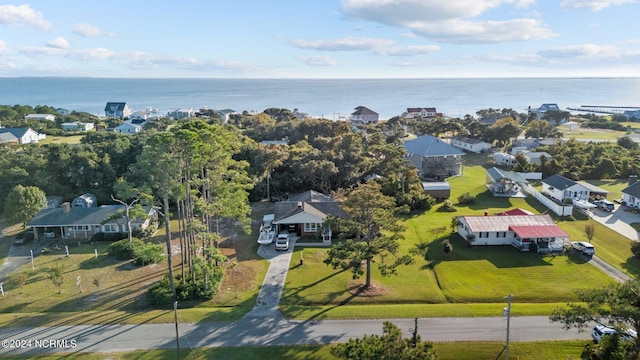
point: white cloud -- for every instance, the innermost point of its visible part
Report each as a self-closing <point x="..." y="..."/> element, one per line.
<point x="595" y="5"/>
<point x="22" y="15"/>
<point x="318" y="60"/>
<point x="58" y="43"/>
<point x="470" y="32"/>
<point x="344" y="44"/>
<point x="88" y="30"/>
<point x="449" y="21"/>
<point x="589" y="51"/>
<point x="412" y="50"/>
<point x="4" y="48"/>
<point x="75" y="54"/>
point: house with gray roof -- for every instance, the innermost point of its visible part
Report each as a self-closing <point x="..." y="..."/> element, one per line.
<point x="631" y="194"/>
<point x="118" y="110"/>
<point x="505" y="183"/>
<point x="305" y="214"/>
<point x="79" y="222"/>
<point x="470" y="144"/>
<point x="561" y="188"/>
<point x="363" y="115"/>
<point x="434" y="158"/>
<point x="20" y="136"/>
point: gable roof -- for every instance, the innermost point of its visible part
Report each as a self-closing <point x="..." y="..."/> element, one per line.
<point x="559" y="181"/>
<point x="633" y="189"/>
<point x="499" y="174"/>
<point x="17" y="132"/>
<point x="592" y="188"/>
<point x="538" y="231"/>
<point x="309" y="206"/>
<point x="115" y="106"/>
<point x="469" y="140"/>
<point x="78" y="216"/>
<point x="361" y="110"/>
<point x="547" y="107"/>
<point x="427" y="145"/>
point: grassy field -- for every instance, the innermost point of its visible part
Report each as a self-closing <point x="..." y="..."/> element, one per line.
<point x="552" y="350"/>
<point x="58" y="139"/>
<point x="478" y="277"/>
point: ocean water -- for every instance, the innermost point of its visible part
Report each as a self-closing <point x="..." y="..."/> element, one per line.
<point x="330" y="98"/>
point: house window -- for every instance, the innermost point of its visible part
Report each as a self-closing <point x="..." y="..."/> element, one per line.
<point x="312" y="227"/>
<point x="110" y="228"/>
<point x="81" y="228"/>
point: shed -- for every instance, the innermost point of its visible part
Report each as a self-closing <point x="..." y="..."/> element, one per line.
<point x="438" y="189"/>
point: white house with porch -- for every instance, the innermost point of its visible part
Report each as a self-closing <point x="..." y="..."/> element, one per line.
<point x="519" y="231"/>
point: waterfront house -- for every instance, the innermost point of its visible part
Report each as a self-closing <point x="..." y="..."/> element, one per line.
<point x="434" y="158"/>
<point x="420" y="113"/>
<point x="179" y="114"/>
<point x="118" y="110"/>
<point x="519" y="231"/>
<point x="40" y="117"/>
<point x="363" y="115"/>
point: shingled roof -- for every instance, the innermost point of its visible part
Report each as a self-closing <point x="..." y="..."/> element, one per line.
<point x="427" y="145"/>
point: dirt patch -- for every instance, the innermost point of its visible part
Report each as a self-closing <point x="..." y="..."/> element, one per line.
<point x="356" y="288"/>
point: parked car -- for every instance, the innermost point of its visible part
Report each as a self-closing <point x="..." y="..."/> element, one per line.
<point x="601" y="330"/>
<point x="583" y="247"/>
<point x="605" y="205"/>
<point x="282" y="242"/>
<point x="23" y="238"/>
<point x="49" y="234"/>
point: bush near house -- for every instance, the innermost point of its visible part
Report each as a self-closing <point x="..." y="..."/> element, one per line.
<point x="142" y="253"/>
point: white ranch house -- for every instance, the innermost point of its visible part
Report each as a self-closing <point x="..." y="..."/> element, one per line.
<point x="470" y="144"/>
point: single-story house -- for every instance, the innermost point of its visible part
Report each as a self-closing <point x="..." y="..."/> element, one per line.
<point x="128" y="128"/>
<point x="505" y="183"/>
<point x="434" y="158"/>
<point x="560" y="188"/>
<point x="304" y="214"/>
<point x="535" y="157"/>
<point x="84" y="222"/>
<point x="504" y="158"/>
<point x="631" y="194"/>
<point x="20" y="136"/>
<point x="519" y="231"/>
<point x="119" y="110"/>
<point x="437" y="189"/>
<point x="469" y="144"/>
<point x="77" y="126"/>
<point x="40" y="117"/>
<point x="179" y="114"/>
<point x="363" y="115"/>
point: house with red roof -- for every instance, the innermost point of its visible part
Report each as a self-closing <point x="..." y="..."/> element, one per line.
<point x="421" y="113"/>
<point x="511" y="228"/>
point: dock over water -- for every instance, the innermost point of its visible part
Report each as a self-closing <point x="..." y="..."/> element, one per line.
<point x="604" y="109"/>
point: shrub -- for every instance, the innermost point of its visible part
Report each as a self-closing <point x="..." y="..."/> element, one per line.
<point x="466" y="199"/>
<point x="145" y="233"/>
<point x="635" y="249"/>
<point x="447" y="206"/>
<point x="141" y="252"/>
<point x="446" y="246"/>
<point x="160" y="292"/>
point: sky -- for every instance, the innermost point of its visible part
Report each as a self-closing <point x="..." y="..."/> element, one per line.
<point x="320" y="38"/>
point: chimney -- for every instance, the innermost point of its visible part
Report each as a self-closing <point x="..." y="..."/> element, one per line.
<point x="66" y="207"/>
<point x="633" y="179"/>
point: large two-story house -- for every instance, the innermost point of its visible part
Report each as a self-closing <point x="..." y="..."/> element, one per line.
<point x="434" y="158"/>
<point x="363" y="115"/>
<point x="118" y="110"/>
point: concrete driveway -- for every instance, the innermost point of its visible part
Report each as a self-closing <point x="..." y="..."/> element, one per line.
<point x="618" y="220"/>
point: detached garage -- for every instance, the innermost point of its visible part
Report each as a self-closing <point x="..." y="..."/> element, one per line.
<point x="437" y="190"/>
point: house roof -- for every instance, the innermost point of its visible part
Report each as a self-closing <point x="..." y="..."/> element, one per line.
<point x="417" y="110"/>
<point x="498" y="174"/>
<point x="538" y="231"/>
<point x="427" y="145"/>
<point x="593" y="188"/>
<point x="361" y="110"/>
<point x="8" y="137"/>
<point x="78" y="216"/>
<point x="516" y="212"/>
<point x="503" y="223"/>
<point x="469" y="140"/>
<point x="547" y="107"/>
<point x="436" y="185"/>
<point x="559" y="182"/>
<point x="309" y="206"/>
<point x="17" y="132"/>
<point x="115" y="106"/>
<point x="633" y="190"/>
<point x="537" y="154"/>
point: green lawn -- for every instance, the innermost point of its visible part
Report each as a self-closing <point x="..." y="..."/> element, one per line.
<point x="58" y="139"/>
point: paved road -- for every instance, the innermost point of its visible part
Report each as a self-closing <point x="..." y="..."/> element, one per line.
<point x="252" y="331"/>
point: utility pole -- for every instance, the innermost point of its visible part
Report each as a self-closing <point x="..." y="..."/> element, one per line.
<point x="175" y="319"/>
<point x="507" y="312"/>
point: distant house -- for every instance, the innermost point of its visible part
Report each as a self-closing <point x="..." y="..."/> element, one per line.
<point x="84" y="222"/>
<point x="535" y="157"/>
<point x="540" y="112"/>
<point x="20" y="136"/>
<point x="561" y="188"/>
<point x="437" y="189"/>
<point x="304" y="214"/>
<point x="363" y="115"/>
<point x="85" y="200"/>
<point x="62" y="111"/>
<point x="423" y="113"/>
<point x="179" y="114"/>
<point x="275" y="142"/>
<point x="504" y="158"/>
<point x="434" y="158"/>
<point x="128" y="128"/>
<point x="77" y="126"/>
<point x="118" y="110"/>
<point x="225" y="114"/>
<point x="505" y="183"/>
<point x="40" y="117"/>
<point x="470" y="144"/>
<point x="519" y="231"/>
<point x="632" y="114"/>
<point x="300" y="115"/>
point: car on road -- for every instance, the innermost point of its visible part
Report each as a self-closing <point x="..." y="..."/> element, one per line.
<point x="23" y="238"/>
<point x="282" y="242"/>
<point x="600" y="331"/>
<point x="583" y="247"/>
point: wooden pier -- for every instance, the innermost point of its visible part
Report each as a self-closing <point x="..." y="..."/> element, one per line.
<point x="604" y="109"/>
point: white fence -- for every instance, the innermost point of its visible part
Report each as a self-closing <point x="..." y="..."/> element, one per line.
<point x="552" y="205"/>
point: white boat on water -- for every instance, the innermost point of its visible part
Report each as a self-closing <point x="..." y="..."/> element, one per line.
<point x="267" y="230"/>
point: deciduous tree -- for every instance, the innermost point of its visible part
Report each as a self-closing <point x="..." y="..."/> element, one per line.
<point x="22" y="203"/>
